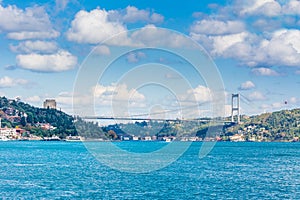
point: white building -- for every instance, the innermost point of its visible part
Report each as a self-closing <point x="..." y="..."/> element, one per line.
<point x="135" y="138"/>
<point x="148" y="138"/>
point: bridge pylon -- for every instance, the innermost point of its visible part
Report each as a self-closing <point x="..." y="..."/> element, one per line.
<point x="235" y="106"/>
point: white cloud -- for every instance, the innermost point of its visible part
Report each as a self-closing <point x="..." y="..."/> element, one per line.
<point x="117" y="93"/>
<point x="113" y="99"/>
<point x="68" y="99"/>
<point x="107" y="27"/>
<point x="25" y="35"/>
<point x="8" y="82"/>
<point x="153" y="36"/>
<point x="199" y="94"/>
<point x="93" y="27"/>
<point x="266" y="25"/>
<point x="98" y="25"/>
<point x="223" y="43"/>
<point x="261" y="7"/>
<point x="133" y="14"/>
<point x="217" y="27"/>
<point x="60" y="61"/>
<point x="256" y="96"/>
<point x="297" y="72"/>
<point x="15" y="19"/>
<point x="279" y="48"/>
<point x="247" y="85"/>
<point x="262" y="71"/>
<point x="31" y="22"/>
<point x="134" y="57"/>
<point x="35" y="46"/>
<point x="292" y="8"/>
<point x="156" y="18"/>
<point x="282" y="49"/>
<point x="102" y="50"/>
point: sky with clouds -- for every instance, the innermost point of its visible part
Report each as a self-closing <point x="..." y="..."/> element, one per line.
<point x="255" y="45"/>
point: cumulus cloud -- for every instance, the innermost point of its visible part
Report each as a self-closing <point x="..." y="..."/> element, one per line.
<point x="60" y="61"/>
<point x="262" y="71"/>
<point x="31" y="22"/>
<point x="117" y="93"/>
<point x="8" y="82"/>
<point x="133" y="14"/>
<point x="102" y="50"/>
<point x="247" y="85"/>
<point x="153" y="36"/>
<point x="199" y="94"/>
<point x="35" y="46"/>
<point x="292" y="8"/>
<point x="268" y="8"/>
<point x="108" y="27"/>
<point x="93" y="27"/>
<point x="262" y="44"/>
<point x="15" y="19"/>
<point x="99" y="25"/>
<point x="280" y="48"/>
<point x="108" y="98"/>
<point x="25" y="35"/>
<point x="221" y="44"/>
<point x="217" y="27"/>
<point x="156" y="18"/>
<point x="283" y="48"/>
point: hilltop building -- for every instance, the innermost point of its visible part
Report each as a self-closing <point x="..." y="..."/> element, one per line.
<point x="50" y="104"/>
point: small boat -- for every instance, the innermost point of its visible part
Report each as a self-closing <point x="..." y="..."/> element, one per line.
<point x="53" y="138"/>
<point x="73" y="138"/>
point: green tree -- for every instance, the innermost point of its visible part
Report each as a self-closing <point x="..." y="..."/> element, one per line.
<point x="23" y="121"/>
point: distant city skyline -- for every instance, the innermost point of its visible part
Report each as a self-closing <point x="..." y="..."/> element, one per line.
<point x="255" y="45"/>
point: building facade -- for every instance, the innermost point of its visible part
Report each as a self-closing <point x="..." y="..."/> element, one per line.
<point x="50" y="104"/>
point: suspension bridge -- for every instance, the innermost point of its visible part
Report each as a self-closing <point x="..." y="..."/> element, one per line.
<point x="235" y="115"/>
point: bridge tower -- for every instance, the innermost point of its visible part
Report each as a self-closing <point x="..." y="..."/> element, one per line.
<point x="235" y="106"/>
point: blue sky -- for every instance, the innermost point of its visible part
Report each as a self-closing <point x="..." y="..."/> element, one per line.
<point x="255" y="45"/>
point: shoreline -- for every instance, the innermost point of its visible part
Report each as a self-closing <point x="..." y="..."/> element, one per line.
<point x="100" y="140"/>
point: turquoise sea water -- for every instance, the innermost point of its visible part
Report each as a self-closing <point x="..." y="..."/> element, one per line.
<point x="62" y="170"/>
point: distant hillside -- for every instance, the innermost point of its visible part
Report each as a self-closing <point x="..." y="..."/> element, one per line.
<point x="277" y="126"/>
<point x="43" y="122"/>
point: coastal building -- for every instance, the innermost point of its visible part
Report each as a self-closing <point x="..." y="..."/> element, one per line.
<point x="237" y="138"/>
<point x="147" y="138"/>
<point x="50" y="104"/>
<point x="135" y="138"/>
<point x="125" y="138"/>
<point x="46" y="126"/>
<point x="11" y="133"/>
